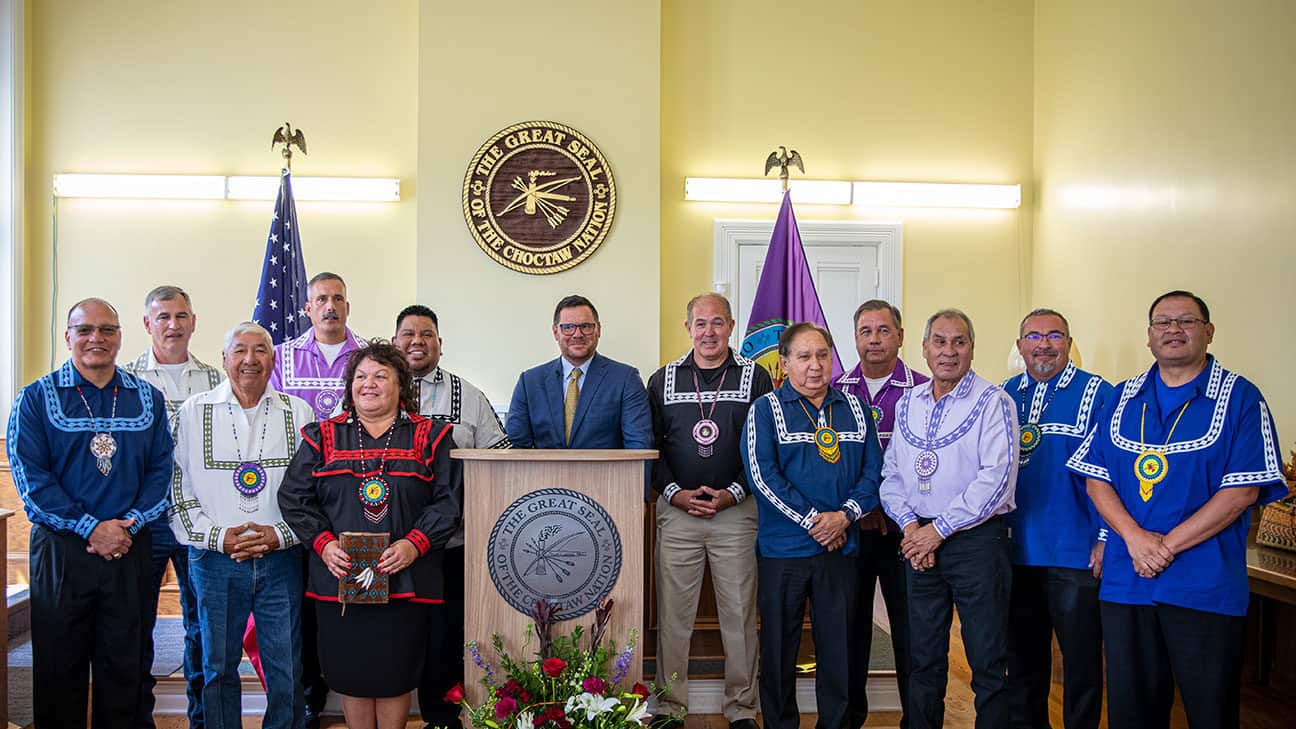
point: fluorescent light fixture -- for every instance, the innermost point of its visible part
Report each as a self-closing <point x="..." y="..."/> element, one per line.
<point x="335" y="189"/>
<point x="219" y="187"/>
<point x="810" y="192"/>
<point x="935" y="195"/>
<point x="169" y="187"/>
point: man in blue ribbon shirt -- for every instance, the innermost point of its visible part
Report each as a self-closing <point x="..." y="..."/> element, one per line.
<point x="813" y="461"/>
<point x="1173" y="464"/>
<point x="1056" y="536"/>
<point x="948" y="475"/>
<point x="91" y="457"/>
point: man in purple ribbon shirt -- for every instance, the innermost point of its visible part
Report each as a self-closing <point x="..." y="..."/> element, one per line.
<point x="879" y="381"/>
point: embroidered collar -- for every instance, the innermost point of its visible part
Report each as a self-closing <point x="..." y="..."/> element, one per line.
<point x="1207" y="382"/>
<point x="960" y="390"/>
<point x="901" y="376"/>
<point x="731" y="360"/>
<point x="69" y="376"/>
<point x="306" y="343"/>
<point x="224" y="393"/>
<point x="787" y="393"/>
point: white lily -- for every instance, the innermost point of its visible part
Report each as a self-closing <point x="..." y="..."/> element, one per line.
<point x="638" y="712"/>
<point x="526" y="720"/>
<point x="591" y="704"/>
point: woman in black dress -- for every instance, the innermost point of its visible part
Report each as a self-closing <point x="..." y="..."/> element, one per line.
<point x="377" y="467"/>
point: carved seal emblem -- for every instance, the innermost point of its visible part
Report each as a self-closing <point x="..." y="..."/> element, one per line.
<point x="539" y="197"/>
<point x="555" y="544"/>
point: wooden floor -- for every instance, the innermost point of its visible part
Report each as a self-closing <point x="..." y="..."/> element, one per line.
<point x="1261" y="708"/>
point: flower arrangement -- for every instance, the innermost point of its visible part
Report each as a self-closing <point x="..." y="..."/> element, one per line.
<point x="564" y="686"/>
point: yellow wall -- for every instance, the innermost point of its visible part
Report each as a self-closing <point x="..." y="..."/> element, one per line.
<point x="190" y="87"/>
<point x="1164" y="158"/>
<point x="592" y="65"/>
<point x="926" y="91"/>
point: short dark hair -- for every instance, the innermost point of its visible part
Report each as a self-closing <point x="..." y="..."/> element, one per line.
<point x="785" y="339"/>
<point x="1177" y="294"/>
<point x="571" y="302"/>
<point x="878" y="305"/>
<point x="384" y="353"/>
<point x="93" y="300"/>
<point x="1021" y="328"/>
<point x="166" y="293"/>
<point x="324" y="276"/>
<point x="416" y="310"/>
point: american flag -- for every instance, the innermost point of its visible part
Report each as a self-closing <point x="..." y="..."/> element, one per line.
<point x="281" y="296"/>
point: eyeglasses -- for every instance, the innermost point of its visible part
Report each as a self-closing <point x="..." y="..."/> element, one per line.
<point x="587" y="327"/>
<point x="85" y="330"/>
<point x="1036" y="337"/>
<point x="1163" y="323"/>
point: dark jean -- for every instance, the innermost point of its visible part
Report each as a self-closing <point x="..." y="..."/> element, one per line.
<point x="829" y="582"/>
<point x="270" y="589"/>
<point x="973" y="573"/>
<point x="1048" y="601"/>
<point x="167" y="549"/>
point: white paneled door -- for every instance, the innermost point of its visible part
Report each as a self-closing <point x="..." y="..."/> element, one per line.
<point x="850" y="262"/>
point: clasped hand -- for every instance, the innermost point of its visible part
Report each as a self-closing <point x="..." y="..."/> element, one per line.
<point x="1148" y="552"/>
<point x="920" y="544"/>
<point x="398" y="555"/>
<point x="829" y="529"/>
<point x="250" y="541"/>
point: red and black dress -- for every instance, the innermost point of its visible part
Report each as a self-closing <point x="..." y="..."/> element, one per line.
<point x="374" y="650"/>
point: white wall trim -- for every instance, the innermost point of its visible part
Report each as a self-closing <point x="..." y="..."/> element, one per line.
<point x="11" y="200"/>
<point x="886" y="236"/>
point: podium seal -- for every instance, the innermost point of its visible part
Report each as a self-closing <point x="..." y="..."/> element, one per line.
<point x="556" y="544"/>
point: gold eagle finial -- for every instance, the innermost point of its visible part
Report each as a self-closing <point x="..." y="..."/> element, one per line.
<point x="783" y="159"/>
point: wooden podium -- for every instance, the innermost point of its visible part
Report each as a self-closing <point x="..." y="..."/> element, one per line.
<point x="522" y="518"/>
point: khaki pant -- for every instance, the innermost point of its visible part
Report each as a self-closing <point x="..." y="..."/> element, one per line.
<point x="685" y="544"/>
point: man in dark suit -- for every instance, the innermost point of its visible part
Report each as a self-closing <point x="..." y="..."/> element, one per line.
<point x="582" y="399"/>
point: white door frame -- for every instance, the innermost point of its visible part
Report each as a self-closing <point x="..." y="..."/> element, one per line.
<point x="886" y="236"/>
<point x="11" y="200"/>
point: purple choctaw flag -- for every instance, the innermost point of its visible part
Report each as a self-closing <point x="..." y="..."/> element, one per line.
<point x="785" y="295"/>
<point x="281" y="296"/>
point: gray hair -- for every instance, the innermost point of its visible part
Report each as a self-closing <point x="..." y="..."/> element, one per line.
<point x="246" y="327"/>
<point x="1021" y="328"/>
<point x="166" y="293"/>
<point x="949" y="314"/>
<point x="713" y="296"/>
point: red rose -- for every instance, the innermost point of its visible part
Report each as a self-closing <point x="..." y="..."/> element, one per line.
<point x="563" y="724"/>
<point x="504" y="707"/>
<point x="554" y="713"/>
<point x="539" y="721"/>
<point x="509" y="689"/>
<point x="524" y="696"/>
<point x="553" y="667"/>
<point x="640" y="690"/>
<point x="455" y="695"/>
<point x="594" y="685"/>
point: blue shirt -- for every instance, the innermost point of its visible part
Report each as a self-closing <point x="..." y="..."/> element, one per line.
<point x="1055" y="524"/>
<point x="49" y="451"/>
<point x="792" y="483"/>
<point x="1225" y="439"/>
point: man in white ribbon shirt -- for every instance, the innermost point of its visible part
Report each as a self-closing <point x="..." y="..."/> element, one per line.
<point x="233" y="444"/>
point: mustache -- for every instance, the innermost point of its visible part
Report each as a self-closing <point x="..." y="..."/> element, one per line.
<point x="330" y="316"/>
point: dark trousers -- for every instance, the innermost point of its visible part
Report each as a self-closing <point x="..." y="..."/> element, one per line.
<point x="1048" y="600"/>
<point x="314" y="688"/>
<point x="973" y="573"/>
<point x="879" y="562"/>
<point x="444" y="666"/>
<point x="830" y="583"/>
<point x="166" y="550"/>
<point x="86" y="611"/>
<point x="1152" y="647"/>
